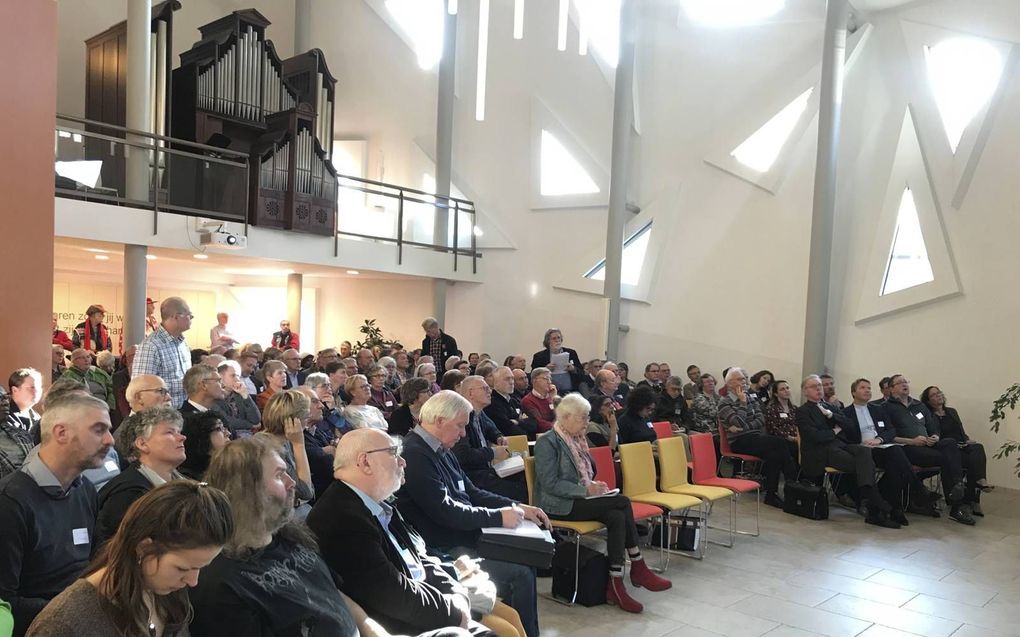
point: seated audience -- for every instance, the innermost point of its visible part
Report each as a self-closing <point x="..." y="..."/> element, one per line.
<point x="515" y="361"/>
<point x="337" y="374"/>
<point x="285" y="339"/>
<point x="440" y="500"/>
<point x="333" y="424"/>
<point x="760" y="384"/>
<point x="917" y="430"/>
<point x="392" y="380"/>
<point x="240" y="413"/>
<point x="275" y="374"/>
<point x="705" y="406"/>
<point x="651" y="378"/>
<point x="565" y="377"/>
<point x="588" y="381"/>
<point x="428" y="372"/>
<point x="413" y="395"/>
<point x="382" y="560"/>
<point x="49" y="511"/>
<point x="25" y="386"/>
<point x="204" y="387"/>
<point x="15" y="442"/>
<point x="82" y="371"/>
<point x="291" y="359"/>
<point x="106" y="364"/>
<point x="607" y="384"/>
<point x="91" y="335"/>
<point x="622" y="388"/>
<point x="483" y="445"/>
<point x="323" y="358"/>
<point x="318" y="447"/>
<point x="602" y="427"/>
<point x="821" y="445"/>
<point x="358" y="412"/>
<point x="158" y="443"/>
<point x="365" y="360"/>
<point x="121" y="380"/>
<point x="283" y="422"/>
<point x="670" y="405"/>
<point x="868" y="424"/>
<point x="972" y="454"/>
<point x="137" y="584"/>
<point x="380" y="397"/>
<point x="565" y="479"/>
<point x="885" y="386"/>
<point x="57" y="364"/>
<point x="146" y="391"/>
<point x="829" y="391"/>
<point x="625" y="376"/>
<point x="402" y="369"/>
<point x="204" y="434"/>
<point x="744" y="424"/>
<point x="522" y="384"/>
<point x="635" y="421"/>
<point x="452" y="380"/>
<point x="781" y="415"/>
<point x="505" y="409"/>
<point x="249" y="362"/>
<point x="61" y="338"/>
<point x="538" y="404"/>
<point x="692" y="388"/>
<point x="270" y="579"/>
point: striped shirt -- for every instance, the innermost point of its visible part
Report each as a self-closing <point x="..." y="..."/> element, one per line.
<point x="166" y="356"/>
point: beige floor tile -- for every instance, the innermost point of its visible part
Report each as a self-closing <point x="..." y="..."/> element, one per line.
<point x="908" y="566"/>
<point x="789" y="631"/>
<point x="761" y="584"/>
<point x="964" y="593"/>
<point x="803" y="617"/>
<point x="968" y="630"/>
<point x="1001" y="617"/>
<point x="863" y="589"/>
<point x="898" y="618"/>
<point x="878" y="630"/>
<point x="687" y="631"/>
<point x="729" y="622"/>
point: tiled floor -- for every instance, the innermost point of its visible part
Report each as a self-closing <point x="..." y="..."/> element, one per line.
<point x="839" y="578"/>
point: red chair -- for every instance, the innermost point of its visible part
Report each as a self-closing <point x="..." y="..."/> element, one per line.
<point x="705" y="472"/>
<point x="663" y="429"/>
<point x="744" y="458"/>
<point x="605" y="471"/>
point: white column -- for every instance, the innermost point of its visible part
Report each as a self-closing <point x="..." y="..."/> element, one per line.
<point x="444" y="152"/>
<point x="816" y="321"/>
<point x="135" y="268"/>
<point x="623" y="118"/>
<point x="294" y="284"/>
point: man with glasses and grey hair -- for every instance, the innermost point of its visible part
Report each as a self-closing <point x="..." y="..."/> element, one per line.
<point x="440" y="500"/>
<point x="484" y="444"/>
<point x="164" y="353"/>
<point x="147" y="390"/>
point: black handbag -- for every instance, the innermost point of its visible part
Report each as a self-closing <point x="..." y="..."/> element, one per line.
<point x="529" y="551"/>
<point x="806" y="500"/>
<point x="683" y="536"/>
<point x="592" y="578"/>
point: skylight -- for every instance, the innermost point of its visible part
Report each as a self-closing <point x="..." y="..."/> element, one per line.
<point x="759" y="151"/>
<point x="730" y="13"/>
<point x="963" y="73"/>
<point x="422" y="22"/>
<point x="600" y="22"/>
<point x="561" y="173"/>
<point x="908" y="261"/>
<point x="633" y="262"/>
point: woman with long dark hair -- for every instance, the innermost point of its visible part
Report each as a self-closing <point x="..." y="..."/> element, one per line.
<point x="971" y="453"/>
<point x="206" y="434"/>
<point x="137" y="585"/>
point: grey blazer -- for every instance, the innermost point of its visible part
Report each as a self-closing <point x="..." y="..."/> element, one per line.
<point x="557" y="479"/>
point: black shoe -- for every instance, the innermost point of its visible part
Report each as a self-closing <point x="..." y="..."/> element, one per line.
<point x="880" y="519"/>
<point x="924" y="509"/>
<point x="962" y="515"/>
<point x="847" y="501"/>
<point x="896" y="515"/>
<point x="773" y="500"/>
<point x="975" y="509"/>
<point x="955" y="495"/>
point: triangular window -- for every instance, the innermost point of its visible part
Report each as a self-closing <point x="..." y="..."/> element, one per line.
<point x="963" y="73"/>
<point x="908" y="264"/>
<point x="561" y="173"/>
<point x="759" y="151"/>
<point x="634" y="249"/>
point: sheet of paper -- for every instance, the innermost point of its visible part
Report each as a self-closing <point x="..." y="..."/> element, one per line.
<point x="607" y="494"/>
<point x="527" y="528"/>
<point x="889" y="444"/>
<point x="559" y="362"/>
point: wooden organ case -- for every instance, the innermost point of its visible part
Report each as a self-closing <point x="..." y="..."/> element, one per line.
<point x="232" y="90"/>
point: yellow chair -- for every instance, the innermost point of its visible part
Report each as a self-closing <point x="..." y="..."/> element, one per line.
<point x="518" y="444"/>
<point x="829" y="480"/>
<point x="673" y="479"/>
<point x="575" y="528"/>
<point x="638" y="468"/>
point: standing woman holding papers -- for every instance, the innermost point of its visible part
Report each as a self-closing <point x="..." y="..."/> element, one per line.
<point x="563" y="362"/>
<point x="565" y="489"/>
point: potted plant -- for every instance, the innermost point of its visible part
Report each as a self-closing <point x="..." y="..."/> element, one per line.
<point x="1008" y="399"/>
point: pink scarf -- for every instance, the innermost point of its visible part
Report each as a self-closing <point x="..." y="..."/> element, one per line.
<point x="578" y="446"/>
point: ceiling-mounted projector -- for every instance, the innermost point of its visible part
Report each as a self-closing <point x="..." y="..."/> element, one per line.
<point x="226" y="240"/>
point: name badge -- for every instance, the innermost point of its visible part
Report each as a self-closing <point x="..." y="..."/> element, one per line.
<point x="80" y="536"/>
<point x="649" y="423"/>
<point x="678" y="411"/>
<point x="881" y="424"/>
<point x="417" y="572"/>
<point x="919" y="416"/>
<point x="783" y="414"/>
<point x="518" y="410"/>
<point x="389" y="403"/>
<point x="111" y="466"/>
<point x="460" y="485"/>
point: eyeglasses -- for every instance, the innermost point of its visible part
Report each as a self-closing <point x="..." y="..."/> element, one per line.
<point x="162" y="391"/>
<point x="187" y="315"/>
<point x="213" y="380"/>
<point x="393" y="450"/>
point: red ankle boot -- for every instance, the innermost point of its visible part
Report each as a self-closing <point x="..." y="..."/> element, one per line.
<point x="617" y="595"/>
<point x="641" y="575"/>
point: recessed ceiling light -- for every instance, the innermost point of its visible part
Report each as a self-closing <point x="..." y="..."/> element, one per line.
<point x="200" y="256"/>
<point x="150" y="257"/>
<point x="353" y="272"/>
<point x="98" y="250"/>
<point x="258" y="271"/>
<point x="102" y="257"/>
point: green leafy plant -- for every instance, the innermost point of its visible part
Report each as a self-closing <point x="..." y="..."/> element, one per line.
<point x="1008" y="399"/>
<point x="372" y="336"/>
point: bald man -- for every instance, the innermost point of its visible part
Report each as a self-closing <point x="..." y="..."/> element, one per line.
<point x="147" y="390"/>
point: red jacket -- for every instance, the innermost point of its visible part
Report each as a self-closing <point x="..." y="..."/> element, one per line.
<point x="61" y="338"/>
<point x="281" y="343"/>
<point x="80" y="338"/>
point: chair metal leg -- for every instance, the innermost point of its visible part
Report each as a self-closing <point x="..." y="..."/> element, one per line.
<point x="730" y="528"/>
<point x="757" y="516"/>
<point x="577" y="574"/>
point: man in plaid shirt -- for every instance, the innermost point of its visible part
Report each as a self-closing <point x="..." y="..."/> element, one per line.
<point x="164" y="352"/>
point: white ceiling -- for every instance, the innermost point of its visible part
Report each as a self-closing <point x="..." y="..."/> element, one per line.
<point x="882" y="5"/>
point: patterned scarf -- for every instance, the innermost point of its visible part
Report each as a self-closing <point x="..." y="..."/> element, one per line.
<point x="578" y="446"/>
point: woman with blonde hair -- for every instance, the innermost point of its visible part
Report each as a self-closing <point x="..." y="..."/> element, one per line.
<point x="284" y="420"/>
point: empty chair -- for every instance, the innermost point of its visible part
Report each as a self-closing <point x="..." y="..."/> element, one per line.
<point x="605" y="471"/>
<point x="705" y="473"/>
<point x="663" y="429"/>
<point x="673" y="479"/>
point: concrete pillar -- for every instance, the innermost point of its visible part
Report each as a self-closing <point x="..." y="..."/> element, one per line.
<point x="139" y="98"/>
<point x="28" y="34"/>
<point x="294" y="284"/>
<point x="302" y="26"/>
<point x="439" y="301"/>
<point x="623" y="118"/>
<point x="134" y="294"/>
<point x="816" y="321"/>
<point x="444" y="152"/>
